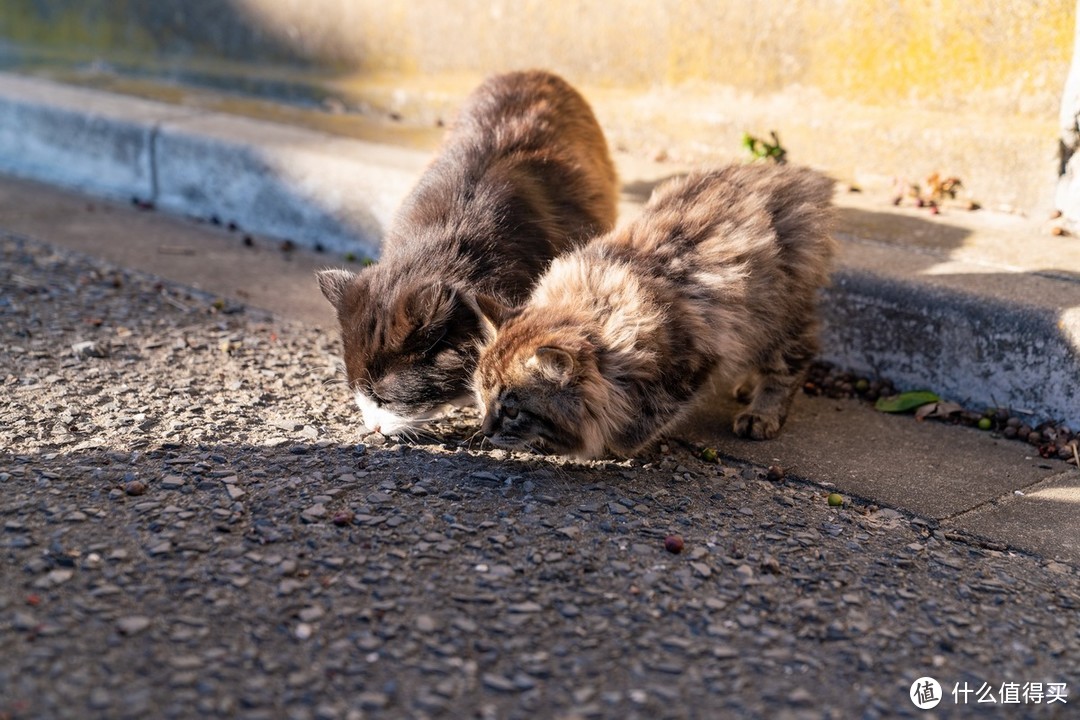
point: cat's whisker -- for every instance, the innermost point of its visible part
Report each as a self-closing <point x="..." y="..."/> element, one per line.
<point x="471" y="440"/>
<point x="334" y="381"/>
<point x="416" y="434"/>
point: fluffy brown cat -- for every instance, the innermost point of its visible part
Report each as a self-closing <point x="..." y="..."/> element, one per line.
<point x="523" y="175"/>
<point x="717" y="277"/>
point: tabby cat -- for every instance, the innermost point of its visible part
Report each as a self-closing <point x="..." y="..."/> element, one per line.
<point x="717" y="279"/>
<point x="523" y="175"/>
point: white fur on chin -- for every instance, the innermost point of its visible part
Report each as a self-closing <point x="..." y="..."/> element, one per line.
<point x="381" y="420"/>
<point x="388" y="423"/>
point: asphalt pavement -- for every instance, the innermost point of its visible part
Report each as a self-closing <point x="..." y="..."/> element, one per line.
<point x="196" y="525"/>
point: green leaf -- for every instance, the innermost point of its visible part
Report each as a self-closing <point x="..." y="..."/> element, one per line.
<point x="905" y="401"/>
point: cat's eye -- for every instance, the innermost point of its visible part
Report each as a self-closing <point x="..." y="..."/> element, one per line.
<point x="510" y="411"/>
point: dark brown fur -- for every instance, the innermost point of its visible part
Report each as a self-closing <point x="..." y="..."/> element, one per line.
<point x="717" y="278"/>
<point x="523" y="175"/>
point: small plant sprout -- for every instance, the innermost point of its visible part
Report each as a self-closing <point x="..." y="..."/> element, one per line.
<point x="765" y="150"/>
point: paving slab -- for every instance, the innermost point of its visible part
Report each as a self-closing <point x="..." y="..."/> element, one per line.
<point x="981" y="307"/>
<point x="1041" y="519"/>
<point x="929" y="468"/>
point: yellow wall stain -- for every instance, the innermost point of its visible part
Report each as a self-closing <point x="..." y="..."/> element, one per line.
<point x="940" y="53"/>
<point x="996" y="55"/>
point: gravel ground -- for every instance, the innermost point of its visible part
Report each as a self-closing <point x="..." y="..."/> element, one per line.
<point x="195" y="526"/>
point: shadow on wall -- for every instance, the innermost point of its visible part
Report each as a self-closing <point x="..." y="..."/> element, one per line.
<point x="221" y="45"/>
<point x="168" y="31"/>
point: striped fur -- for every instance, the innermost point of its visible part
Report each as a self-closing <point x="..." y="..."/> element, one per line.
<point x="717" y="278"/>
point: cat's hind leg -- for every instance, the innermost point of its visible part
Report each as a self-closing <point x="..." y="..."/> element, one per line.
<point x="778" y="379"/>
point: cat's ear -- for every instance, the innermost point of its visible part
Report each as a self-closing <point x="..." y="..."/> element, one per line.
<point x="555" y="363"/>
<point x="490" y="311"/>
<point x="333" y="284"/>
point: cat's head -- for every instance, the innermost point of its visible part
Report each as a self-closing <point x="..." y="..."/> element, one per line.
<point x="538" y="386"/>
<point x="409" y="346"/>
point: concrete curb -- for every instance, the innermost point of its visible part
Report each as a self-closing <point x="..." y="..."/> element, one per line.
<point x="980" y="350"/>
<point x="79" y="138"/>
<point x="1002" y="338"/>
<point x="267" y="178"/>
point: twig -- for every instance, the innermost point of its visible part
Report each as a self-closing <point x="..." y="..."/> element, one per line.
<point x="174" y="302"/>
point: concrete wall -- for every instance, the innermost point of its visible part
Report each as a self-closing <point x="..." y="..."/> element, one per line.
<point x="1009" y="56"/>
<point x="1068" y="187"/>
<point x="868" y="88"/>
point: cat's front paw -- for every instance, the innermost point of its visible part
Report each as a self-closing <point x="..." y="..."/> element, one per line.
<point x="757" y="427"/>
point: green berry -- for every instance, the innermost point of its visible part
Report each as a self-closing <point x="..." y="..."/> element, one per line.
<point x="862" y="385"/>
<point x="708" y="455"/>
<point x="836" y="500"/>
<point x="985" y="423"/>
<point x="350" y="257"/>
